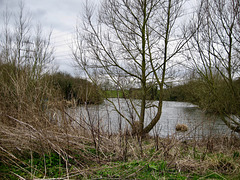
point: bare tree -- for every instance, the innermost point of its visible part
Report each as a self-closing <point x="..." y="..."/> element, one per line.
<point x="42" y="52"/>
<point x="6" y="39"/>
<point x="25" y="55"/>
<point x="135" y="40"/>
<point x="21" y="46"/>
<point x="215" y="51"/>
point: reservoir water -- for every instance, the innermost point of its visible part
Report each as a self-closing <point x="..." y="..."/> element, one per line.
<point x="107" y="118"/>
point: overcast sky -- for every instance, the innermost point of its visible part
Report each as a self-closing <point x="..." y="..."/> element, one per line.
<point x="60" y="16"/>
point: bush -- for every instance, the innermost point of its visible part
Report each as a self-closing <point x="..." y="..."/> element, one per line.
<point x="74" y="88"/>
<point x="214" y="100"/>
<point x="21" y="95"/>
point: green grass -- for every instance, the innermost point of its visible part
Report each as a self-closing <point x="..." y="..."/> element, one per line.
<point x="87" y="163"/>
<point x="137" y="170"/>
<point x="148" y="170"/>
<point x="53" y="166"/>
<point x="40" y="166"/>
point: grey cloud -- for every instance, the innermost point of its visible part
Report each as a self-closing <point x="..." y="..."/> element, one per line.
<point x="57" y="15"/>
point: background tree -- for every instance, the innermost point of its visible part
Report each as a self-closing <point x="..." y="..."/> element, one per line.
<point x="76" y="89"/>
<point x="132" y="39"/>
<point x="214" y="51"/>
<point x="25" y="53"/>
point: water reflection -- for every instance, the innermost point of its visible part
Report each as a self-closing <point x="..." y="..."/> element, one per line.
<point x="173" y="113"/>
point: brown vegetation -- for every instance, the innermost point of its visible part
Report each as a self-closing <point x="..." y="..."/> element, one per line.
<point x="80" y="148"/>
<point x="181" y="127"/>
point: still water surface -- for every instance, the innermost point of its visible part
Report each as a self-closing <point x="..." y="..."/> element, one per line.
<point x="199" y="123"/>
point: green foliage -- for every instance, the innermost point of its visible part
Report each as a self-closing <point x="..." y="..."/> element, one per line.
<point x="152" y="92"/>
<point x="183" y="93"/>
<point x="218" y="98"/>
<point x="216" y="165"/>
<point x="236" y="155"/>
<point x="114" y="94"/>
<point x="138" y="170"/>
<point x="40" y="166"/>
<point x="76" y="88"/>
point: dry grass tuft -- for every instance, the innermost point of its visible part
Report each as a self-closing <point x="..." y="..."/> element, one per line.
<point x="181" y="127"/>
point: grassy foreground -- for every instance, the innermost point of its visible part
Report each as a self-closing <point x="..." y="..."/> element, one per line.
<point x="61" y="155"/>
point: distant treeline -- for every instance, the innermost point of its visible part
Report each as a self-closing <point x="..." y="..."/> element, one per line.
<point x="16" y="80"/>
<point x="194" y="91"/>
<point x="77" y="89"/>
<point x="21" y="83"/>
<point x="199" y="93"/>
<point x="134" y="93"/>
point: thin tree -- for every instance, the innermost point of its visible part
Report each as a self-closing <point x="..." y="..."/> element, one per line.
<point x="24" y="45"/>
<point x="136" y="41"/>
